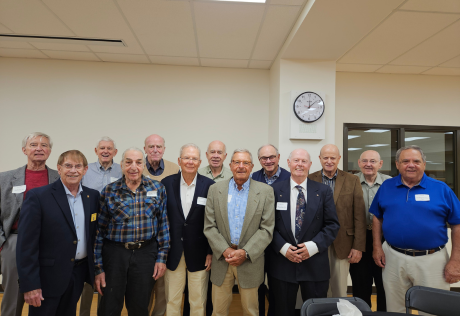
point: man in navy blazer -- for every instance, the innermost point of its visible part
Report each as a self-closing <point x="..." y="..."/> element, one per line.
<point x="306" y="224"/>
<point x="57" y="227"/>
<point x="190" y="255"/>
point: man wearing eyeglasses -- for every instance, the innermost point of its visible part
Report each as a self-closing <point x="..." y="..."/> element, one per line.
<point x="14" y="186"/>
<point x="239" y="223"/>
<point x="190" y="256"/>
<point x="366" y="272"/>
<point x="216" y="154"/>
<point x="55" y="244"/>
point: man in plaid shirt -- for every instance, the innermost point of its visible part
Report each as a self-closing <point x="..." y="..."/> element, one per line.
<point x="132" y="240"/>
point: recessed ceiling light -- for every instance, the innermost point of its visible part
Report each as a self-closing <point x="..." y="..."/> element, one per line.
<point x="409" y="139"/>
<point x="61" y="40"/>
<point x="377" y="130"/>
<point x="353" y="136"/>
<point x="377" y="145"/>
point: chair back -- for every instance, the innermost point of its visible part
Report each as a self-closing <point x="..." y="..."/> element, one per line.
<point x="318" y="306"/>
<point x="433" y="301"/>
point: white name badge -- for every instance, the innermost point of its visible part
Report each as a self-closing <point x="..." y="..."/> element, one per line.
<point x="281" y="206"/>
<point x="152" y="193"/>
<point x="113" y="179"/>
<point x="229" y="198"/>
<point x="19" y="188"/>
<point x="201" y="201"/>
<point x="422" y="197"/>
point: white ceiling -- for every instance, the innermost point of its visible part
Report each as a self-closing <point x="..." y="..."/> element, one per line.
<point x="383" y="36"/>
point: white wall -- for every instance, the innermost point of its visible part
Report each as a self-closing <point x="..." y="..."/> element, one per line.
<point x="78" y="102"/>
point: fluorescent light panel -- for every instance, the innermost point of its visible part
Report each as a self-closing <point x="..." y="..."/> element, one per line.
<point x="353" y="149"/>
<point x="61" y="40"/>
<point x="410" y="139"/>
<point x="377" y="145"/>
<point x="353" y="136"/>
<point x="377" y="131"/>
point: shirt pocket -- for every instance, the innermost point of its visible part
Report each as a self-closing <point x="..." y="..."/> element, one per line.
<point x="120" y="213"/>
<point x="151" y="207"/>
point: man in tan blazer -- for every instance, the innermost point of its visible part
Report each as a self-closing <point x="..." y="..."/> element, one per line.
<point x="349" y="203"/>
<point x="239" y="222"/>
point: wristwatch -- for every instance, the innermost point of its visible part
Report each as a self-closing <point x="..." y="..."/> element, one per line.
<point x="247" y="255"/>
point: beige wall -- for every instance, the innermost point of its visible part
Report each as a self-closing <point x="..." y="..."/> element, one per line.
<point x="78" y="102"/>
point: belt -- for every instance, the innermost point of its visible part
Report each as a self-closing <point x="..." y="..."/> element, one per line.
<point x="80" y="261"/>
<point x="131" y="245"/>
<point x="369" y="226"/>
<point x="233" y="246"/>
<point x="417" y="253"/>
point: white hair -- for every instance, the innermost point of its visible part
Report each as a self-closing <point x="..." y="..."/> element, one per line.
<point x="33" y="135"/>
<point x="258" y="152"/>
<point x="190" y="145"/>
<point x="129" y="149"/>
<point x="106" y="139"/>
<point x="242" y="150"/>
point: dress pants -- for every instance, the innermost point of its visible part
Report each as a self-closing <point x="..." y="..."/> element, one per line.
<point x="157" y="303"/>
<point x="186" y="311"/>
<point x="66" y="304"/>
<point x="87" y="300"/>
<point x="365" y="273"/>
<point x="13" y="300"/>
<point x="339" y="274"/>
<point x="285" y="294"/>
<point x="401" y="272"/>
<point x="197" y="288"/>
<point x="128" y="276"/>
<point x="222" y="296"/>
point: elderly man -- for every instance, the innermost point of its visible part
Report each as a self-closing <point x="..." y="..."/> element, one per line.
<point x="216" y="154"/>
<point x="190" y="255"/>
<point x="348" y="198"/>
<point x="306" y="225"/>
<point x="99" y="174"/>
<point x="157" y="168"/>
<point x="132" y="241"/>
<point x="412" y="210"/>
<point x="55" y="245"/>
<point x="239" y="223"/>
<point x="366" y="272"/>
<point x="14" y="185"/>
<point x="271" y="172"/>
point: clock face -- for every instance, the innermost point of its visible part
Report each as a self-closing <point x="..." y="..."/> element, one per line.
<point x="308" y="107"/>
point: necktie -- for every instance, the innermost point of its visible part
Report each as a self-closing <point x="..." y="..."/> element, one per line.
<point x="299" y="211"/>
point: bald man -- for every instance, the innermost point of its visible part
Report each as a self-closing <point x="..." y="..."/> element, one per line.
<point x="216" y="154"/>
<point x="348" y="198"/>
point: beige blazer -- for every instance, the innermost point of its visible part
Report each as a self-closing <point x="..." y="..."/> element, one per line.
<point x="256" y="233"/>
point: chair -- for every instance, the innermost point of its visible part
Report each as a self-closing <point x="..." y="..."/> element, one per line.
<point x="433" y="301"/>
<point x="318" y="306"/>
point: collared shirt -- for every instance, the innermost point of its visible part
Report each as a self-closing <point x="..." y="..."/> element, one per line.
<point x="152" y="171"/>
<point x="225" y="173"/>
<point x="78" y="216"/>
<point x="369" y="192"/>
<point x="97" y="177"/>
<point x="311" y="245"/>
<point x="237" y="202"/>
<point x="415" y="218"/>
<point x="273" y="178"/>
<point x="186" y="194"/>
<point x="127" y="216"/>
<point x="329" y="181"/>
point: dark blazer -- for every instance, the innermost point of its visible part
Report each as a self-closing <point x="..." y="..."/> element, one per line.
<point x="349" y="203"/>
<point x="259" y="176"/>
<point x="186" y="234"/>
<point x="47" y="240"/>
<point x="320" y="226"/>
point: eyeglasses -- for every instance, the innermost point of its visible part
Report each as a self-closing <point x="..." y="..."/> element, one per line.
<point x="187" y="159"/>
<point x="70" y="167"/>
<point x="245" y="163"/>
<point x="372" y="161"/>
<point x="265" y="159"/>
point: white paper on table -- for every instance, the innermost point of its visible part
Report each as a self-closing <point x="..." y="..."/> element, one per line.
<point x="347" y="309"/>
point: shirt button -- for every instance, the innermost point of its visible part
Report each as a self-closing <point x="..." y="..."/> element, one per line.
<point x="74" y="242"/>
<point x="72" y="259"/>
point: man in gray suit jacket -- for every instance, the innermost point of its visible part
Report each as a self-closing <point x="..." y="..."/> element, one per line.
<point x="14" y="185"/>
<point x="239" y="222"/>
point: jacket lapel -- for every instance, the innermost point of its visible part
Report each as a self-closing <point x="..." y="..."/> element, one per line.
<point x="176" y="187"/>
<point x="253" y="201"/>
<point x="198" y="192"/>
<point x="338" y="185"/>
<point x="87" y="210"/>
<point x="223" y="207"/>
<point x="18" y="179"/>
<point x="286" y="215"/>
<point x="311" y="208"/>
<point x="61" y="199"/>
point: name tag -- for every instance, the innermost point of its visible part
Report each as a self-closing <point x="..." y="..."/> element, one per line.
<point x="113" y="179"/>
<point x="281" y="206"/>
<point x="229" y="198"/>
<point x="152" y="193"/>
<point x="422" y="197"/>
<point x="93" y="217"/>
<point x="19" y="188"/>
<point x="201" y="201"/>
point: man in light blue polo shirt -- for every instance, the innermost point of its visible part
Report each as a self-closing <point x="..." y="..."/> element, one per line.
<point x="412" y="210"/>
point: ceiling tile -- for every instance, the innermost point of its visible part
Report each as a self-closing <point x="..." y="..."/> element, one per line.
<point x="433" y="6"/>
<point x="164" y="28"/>
<point x="443" y="71"/>
<point x="455" y="62"/>
<point x="166" y="60"/>
<point x="388" y="69"/>
<point x="286" y="2"/>
<point x="260" y="64"/>
<point x="399" y="33"/>
<point x="70" y="55"/>
<point x="357" y="67"/>
<point x="227" y="30"/>
<point x="124" y="58"/>
<point x="14" y="44"/>
<point x="96" y="19"/>
<point x="31" y="17"/>
<point x="441" y="47"/>
<point x="4" y="29"/>
<point x="21" y="53"/>
<point x="275" y="29"/>
<point x="231" y="63"/>
<point x="66" y="47"/>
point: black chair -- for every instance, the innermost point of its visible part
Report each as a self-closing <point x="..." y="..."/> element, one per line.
<point x="433" y="301"/>
<point x="328" y="306"/>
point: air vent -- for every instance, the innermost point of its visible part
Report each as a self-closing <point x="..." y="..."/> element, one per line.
<point x="61" y="40"/>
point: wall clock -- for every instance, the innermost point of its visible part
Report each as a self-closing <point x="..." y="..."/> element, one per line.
<point x="308" y="107"/>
